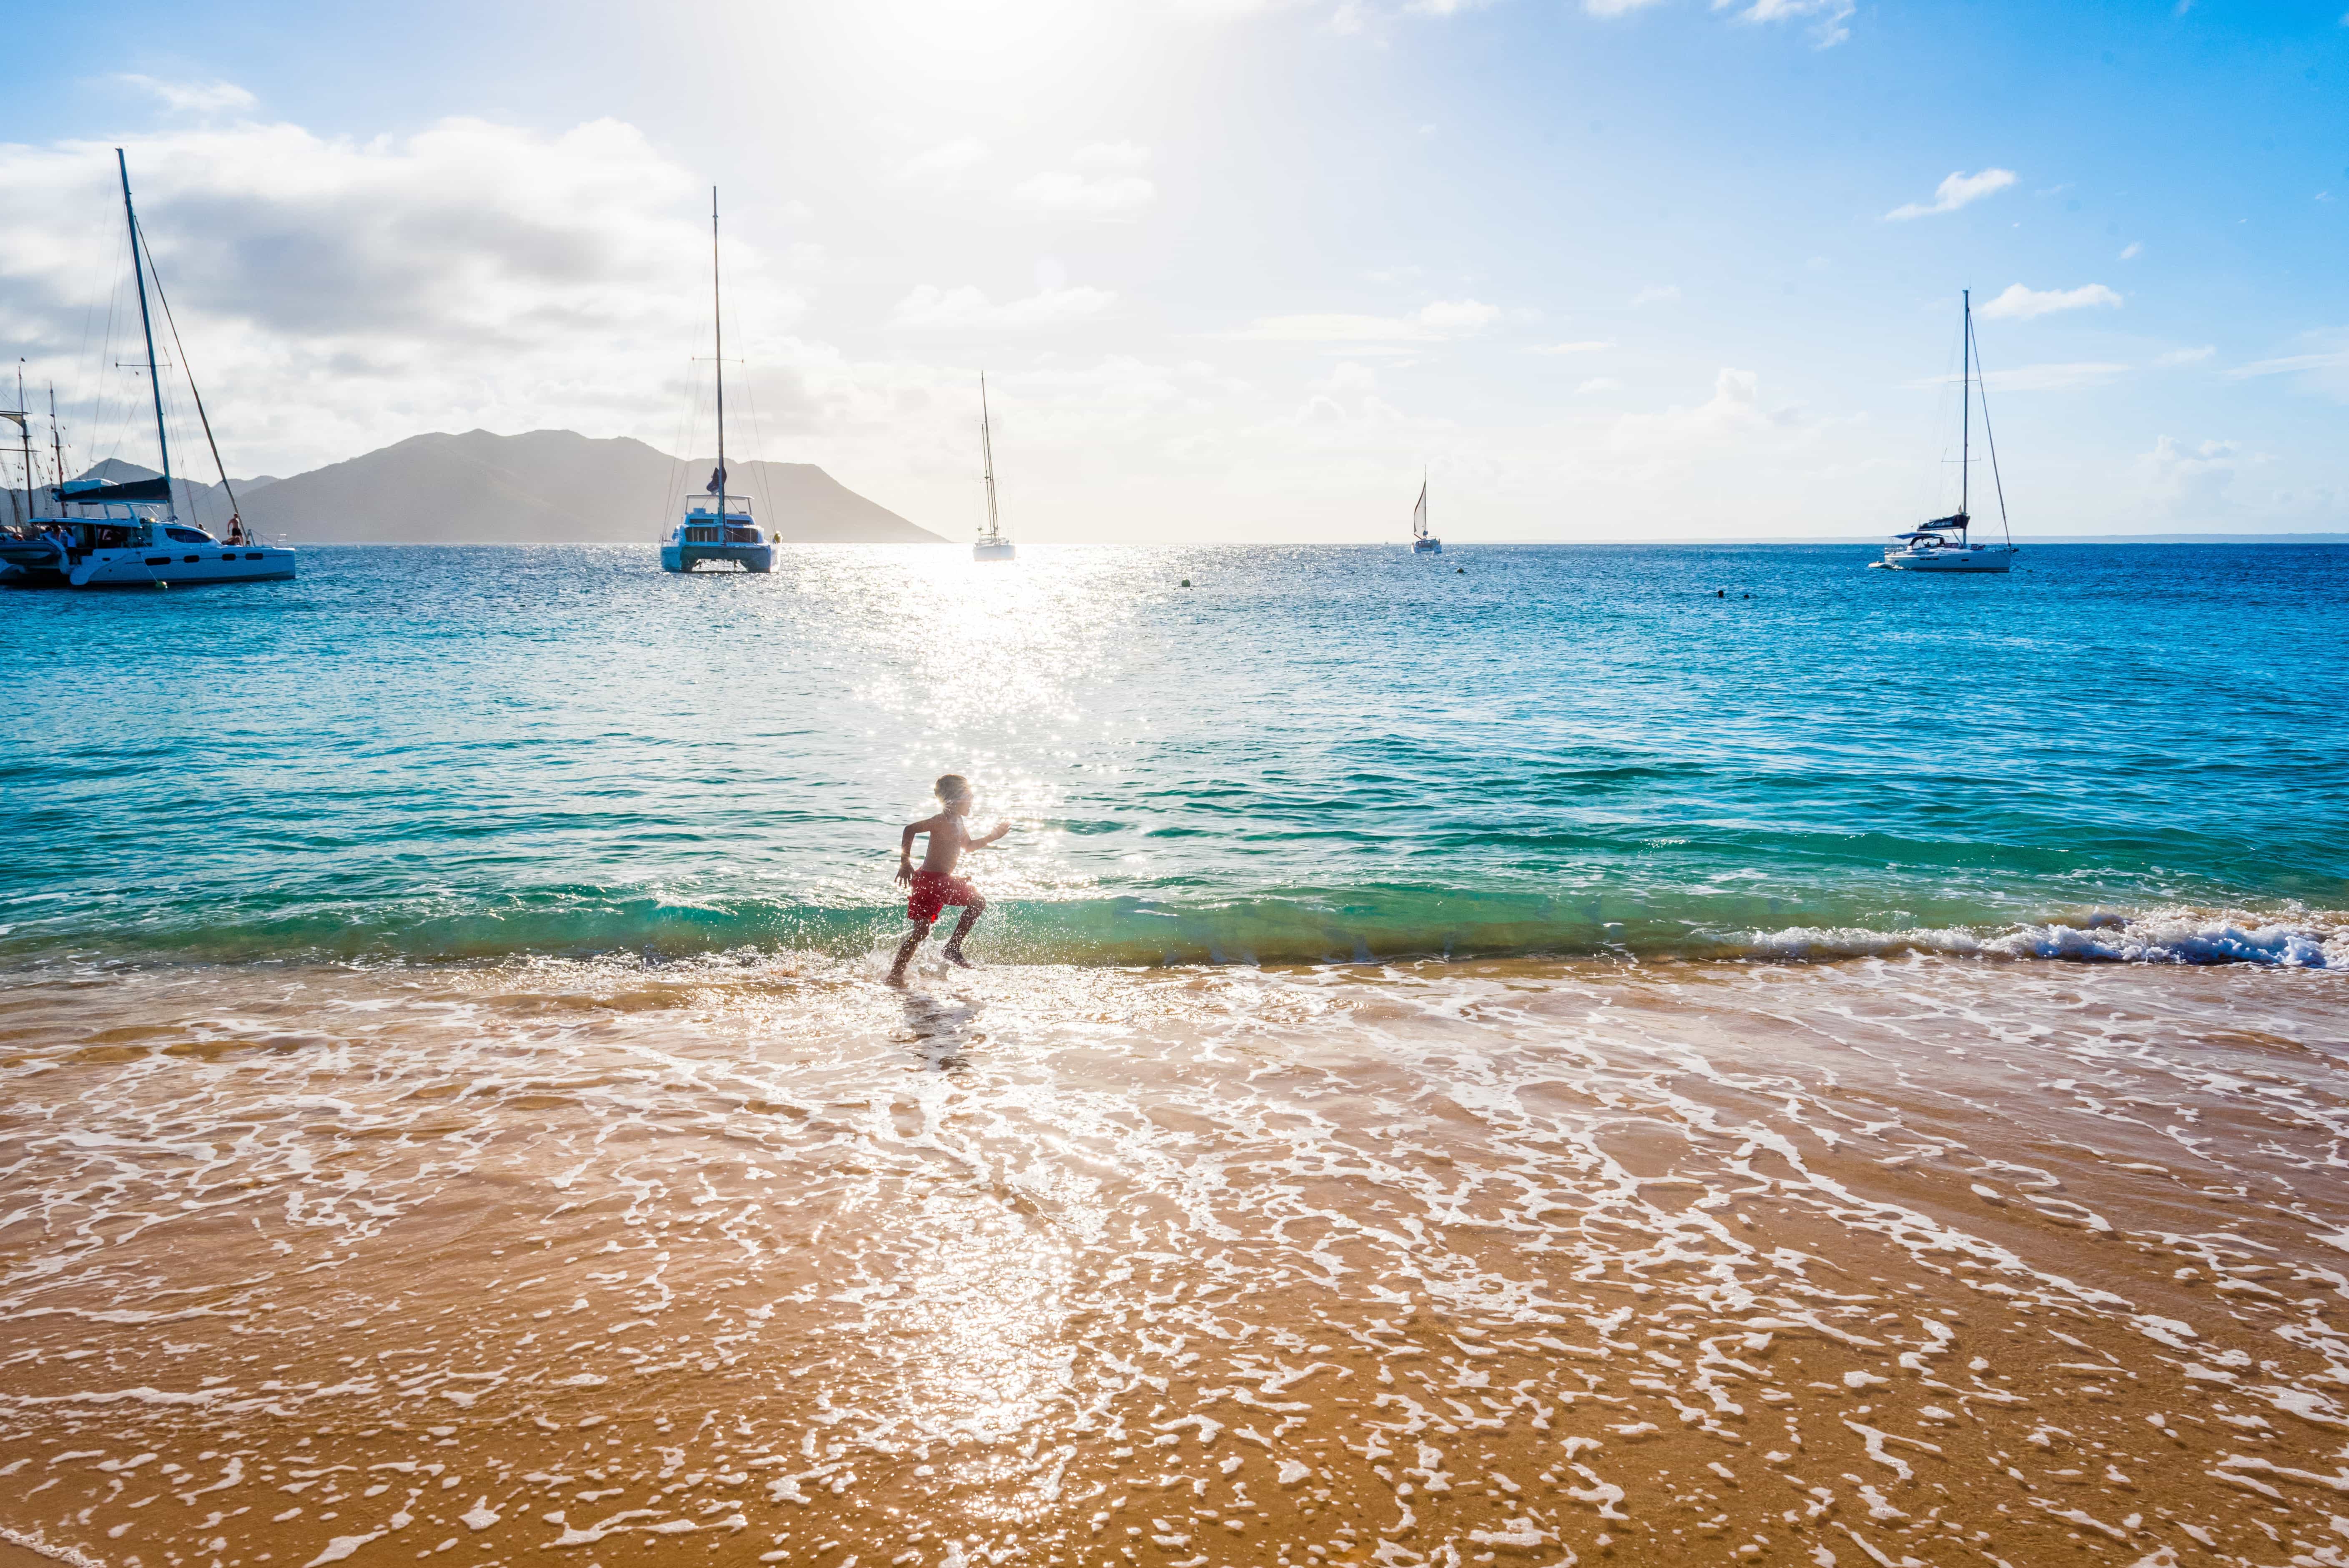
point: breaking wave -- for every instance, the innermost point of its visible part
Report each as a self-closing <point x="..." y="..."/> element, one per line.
<point x="1311" y="927"/>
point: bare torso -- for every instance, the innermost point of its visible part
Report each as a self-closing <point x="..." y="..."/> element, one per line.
<point x="949" y="836"/>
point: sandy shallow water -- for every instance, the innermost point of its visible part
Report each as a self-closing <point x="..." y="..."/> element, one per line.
<point x="1901" y="1261"/>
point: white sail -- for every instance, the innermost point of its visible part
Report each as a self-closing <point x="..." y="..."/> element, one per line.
<point x="991" y="545"/>
<point x="1419" y="513"/>
<point x="986" y="454"/>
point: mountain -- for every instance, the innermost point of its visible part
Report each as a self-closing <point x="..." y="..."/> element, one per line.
<point x="548" y="486"/>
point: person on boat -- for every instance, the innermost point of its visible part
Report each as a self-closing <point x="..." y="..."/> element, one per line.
<point x="935" y="885"/>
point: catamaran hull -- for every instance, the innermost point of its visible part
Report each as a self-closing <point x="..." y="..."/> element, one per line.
<point x="177" y="567"/>
<point x="749" y="557"/>
<point x="1977" y="560"/>
<point x="1427" y="547"/>
<point x="994" y="550"/>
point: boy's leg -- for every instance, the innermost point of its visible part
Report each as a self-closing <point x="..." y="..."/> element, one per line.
<point x="913" y="939"/>
<point x="970" y="914"/>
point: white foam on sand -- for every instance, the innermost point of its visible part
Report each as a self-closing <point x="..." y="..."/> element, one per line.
<point x="575" y="1243"/>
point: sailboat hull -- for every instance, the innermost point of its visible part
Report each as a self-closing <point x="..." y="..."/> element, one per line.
<point x="1427" y="547"/>
<point x="1970" y="558"/>
<point x="994" y="550"/>
<point x="677" y="557"/>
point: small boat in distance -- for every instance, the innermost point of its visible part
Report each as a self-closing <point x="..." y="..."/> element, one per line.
<point x="991" y="545"/>
<point x="1942" y="544"/>
<point x="1422" y="541"/>
<point x="127" y="534"/>
<point x="719" y="529"/>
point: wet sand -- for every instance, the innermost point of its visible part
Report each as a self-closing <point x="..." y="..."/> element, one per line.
<point x="1915" y="1261"/>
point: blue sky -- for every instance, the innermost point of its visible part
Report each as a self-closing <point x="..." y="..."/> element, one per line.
<point x="1240" y="271"/>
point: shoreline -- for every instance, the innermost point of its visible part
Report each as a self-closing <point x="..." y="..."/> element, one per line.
<point x="1275" y="931"/>
<point x="1897" y="1257"/>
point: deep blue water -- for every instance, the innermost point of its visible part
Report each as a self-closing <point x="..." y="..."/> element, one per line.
<point x="1312" y="753"/>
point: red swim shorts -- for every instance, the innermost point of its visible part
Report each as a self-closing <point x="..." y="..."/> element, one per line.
<point x="933" y="892"/>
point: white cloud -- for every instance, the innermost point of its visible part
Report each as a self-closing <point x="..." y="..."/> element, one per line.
<point x="2323" y="369"/>
<point x="1955" y="191"/>
<point x="2020" y="304"/>
<point x="1827" y="29"/>
<point x="2186" y="355"/>
<point x="1450" y="317"/>
<point x="1734" y="414"/>
<point x="1103" y="182"/>
<point x="1586" y="345"/>
<point x="1614" y="7"/>
<point x="1598" y="384"/>
<point x="932" y="308"/>
<point x="1432" y="322"/>
<point x="2192" y="480"/>
<point x="194" y="98"/>
<point x="2131" y="251"/>
<point x="2068" y="377"/>
<point x="947" y="159"/>
<point x="1345" y="406"/>
<point x="1112" y="155"/>
<point x="1657" y="293"/>
<point x="337" y="294"/>
<point x="1444" y="7"/>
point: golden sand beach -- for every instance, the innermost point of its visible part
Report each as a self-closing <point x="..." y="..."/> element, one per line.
<point x="1899" y="1261"/>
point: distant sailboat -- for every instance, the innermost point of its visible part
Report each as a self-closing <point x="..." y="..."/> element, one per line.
<point x="1422" y="541"/>
<point x="721" y="528"/>
<point x="991" y="545"/>
<point x="1942" y="545"/>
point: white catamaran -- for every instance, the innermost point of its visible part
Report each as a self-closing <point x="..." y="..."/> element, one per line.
<point x="1942" y="544"/>
<point x="991" y="545"/>
<point x="127" y="533"/>
<point x="1422" y="541"/>
<point x="719" y="529"/>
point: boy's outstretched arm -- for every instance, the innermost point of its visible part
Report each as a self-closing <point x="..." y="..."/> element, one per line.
<point x="1001" y="828"/>
<point x="905" y="847"/>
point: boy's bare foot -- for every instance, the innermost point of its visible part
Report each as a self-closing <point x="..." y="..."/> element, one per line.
<point x="953" y="956"/>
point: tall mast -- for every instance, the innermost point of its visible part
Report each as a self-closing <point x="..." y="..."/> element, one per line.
<point x="1965" y="403"/>
<point x="987" y="449"/>
<point x="25" y="431"/>
<point x="718" y="321"/>
<point x="154" y="381"/>
<point x="56" y="446"/>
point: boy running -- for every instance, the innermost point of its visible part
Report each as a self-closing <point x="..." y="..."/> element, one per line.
<point x="935" y="885"/>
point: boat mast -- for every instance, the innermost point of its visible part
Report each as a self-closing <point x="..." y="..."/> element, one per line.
<point x="154" y="381"/>
<point x="717" y="323"/>
<point x="25" y="431"/>
<point x="56" y="446"/>
<point x="1965" y="403"/>
<point x="987" y="451"/>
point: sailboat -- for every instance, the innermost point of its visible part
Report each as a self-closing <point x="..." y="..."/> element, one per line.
<point x="1422" y="541"/>
<point x="719" y="529"/>
<point x="991" y="545"/>
<point x="127" y="534"/>
<point x="1943" y="544"/>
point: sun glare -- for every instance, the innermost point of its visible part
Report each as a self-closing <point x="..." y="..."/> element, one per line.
<point x="1003" y="47"/>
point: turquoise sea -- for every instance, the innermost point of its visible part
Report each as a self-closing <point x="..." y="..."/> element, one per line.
<point x="1310" y="754"/>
